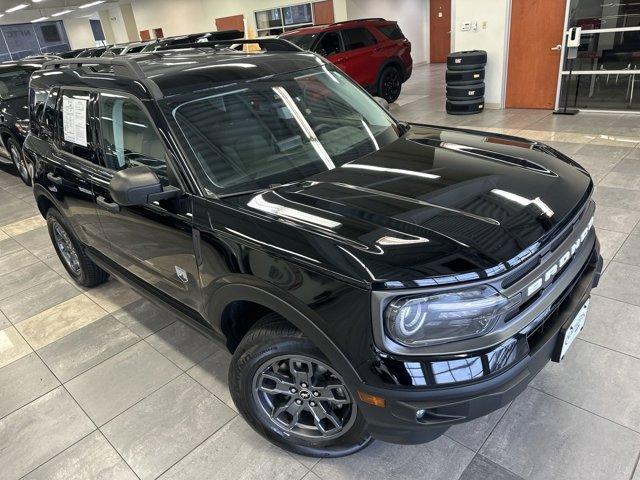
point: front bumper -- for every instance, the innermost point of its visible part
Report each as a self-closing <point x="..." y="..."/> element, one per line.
<point x="399" y="422"/>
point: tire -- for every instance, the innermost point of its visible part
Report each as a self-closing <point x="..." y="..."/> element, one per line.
<point x="465" y="92"/>
<point x="464" y="77"/>
<point x="19" y="161"/>
<point x="465" y="107"/>
<point x="390" y="83"/>
<point x="71" y="252"/>
<point x="271" y="345"/>
<point x="467" y="60"/>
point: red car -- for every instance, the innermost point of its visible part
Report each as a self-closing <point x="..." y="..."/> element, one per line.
<point x="373" y="51"/>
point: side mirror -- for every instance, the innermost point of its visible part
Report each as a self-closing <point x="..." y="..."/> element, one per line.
<point x="382" y="102"/>
<point x="138" y="186"/>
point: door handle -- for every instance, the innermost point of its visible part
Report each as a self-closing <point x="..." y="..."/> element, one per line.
<point x="108" y="206"/>
<point x="54" y="179"/>
<point x="557" y="47"/>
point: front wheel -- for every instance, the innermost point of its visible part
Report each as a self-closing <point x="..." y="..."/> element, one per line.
<point x="19" y="161"/>
<point x="288" y="392"/>
<point x="390" y="84"/>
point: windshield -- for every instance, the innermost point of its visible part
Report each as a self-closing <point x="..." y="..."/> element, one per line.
<point x="303" y="41"/>
<point x="280" y="130"/>
<point x="14" y="83"/>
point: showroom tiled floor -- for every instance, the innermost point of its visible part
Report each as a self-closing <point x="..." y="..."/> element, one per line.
<point x="101" y="384"/>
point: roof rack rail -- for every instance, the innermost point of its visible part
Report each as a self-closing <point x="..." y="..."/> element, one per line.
<point x="121" y="65"/>
<point x="266" y="44"/>
<point x="372" y="19"/>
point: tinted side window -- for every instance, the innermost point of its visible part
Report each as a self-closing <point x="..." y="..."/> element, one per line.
<point x="50" y="114"/>
<point x="74" y="131"/>
<point x="37" y="98"/>
<point x="128" y="136"/>
<point x="329" y="44"/>
<point x="357" y="38"/>
<point x="392" y="31"/>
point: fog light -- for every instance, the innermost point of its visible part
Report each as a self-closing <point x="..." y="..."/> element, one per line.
<point x="420" y="414"/>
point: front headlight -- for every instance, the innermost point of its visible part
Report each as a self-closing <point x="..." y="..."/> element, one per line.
<point x="445" y="317"/>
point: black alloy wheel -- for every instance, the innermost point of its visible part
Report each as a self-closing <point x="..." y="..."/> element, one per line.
<point x="390" y="84"/>
<point x="19" y="161"/>
<point x="304" y="397"/>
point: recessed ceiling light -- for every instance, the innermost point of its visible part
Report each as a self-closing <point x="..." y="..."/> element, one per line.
<point x="61" y="13"/>
<point x="16" y="8"/>
<point x="87" y="5"/>
<point x="37" y="1"/>
<point x="39" y="19"/>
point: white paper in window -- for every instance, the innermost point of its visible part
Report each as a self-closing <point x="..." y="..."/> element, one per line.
<point x="74" y="120"/>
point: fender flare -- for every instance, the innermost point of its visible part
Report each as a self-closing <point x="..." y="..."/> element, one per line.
<point x="39" y="192"/>
<point x="292" y="310"/>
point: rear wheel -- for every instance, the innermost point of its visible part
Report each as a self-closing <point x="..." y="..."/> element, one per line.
<point x="291" y="394"/>
<point x="19" y="161"/>
<point x="390" y="84"/>
<point x="71" y="254"/>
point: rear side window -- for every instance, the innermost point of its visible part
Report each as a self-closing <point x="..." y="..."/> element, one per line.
<point x="128" y="136"/>
<point x="74" y="132"/>
<point x="14" y="83"/>
<point x="392" y="31"/>
<point x="50" y="114"/>
<point x="329" y="44"/>
<point x="37" y="99"/>
<point x="357" y="38"/>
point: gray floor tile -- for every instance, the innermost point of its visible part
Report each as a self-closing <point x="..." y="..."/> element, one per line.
<point x="7" y="246"/>
<point x="143" y="318"/>
<point x="542" y="438"/>
<point x="37" y="242"/>
<point x="121" y="381"/>
<point x="440" y="459"/>
<point x="621" y="180"/>
<point x="236" y="451"/>
<point x="17" y="260"/>
<point x="614" y="325"/>
<point x="23" y="381"/>
<point x="12" y="346"/>
<point x="482" y="468"/>
<point x="183" y="345"/>
<point x="4" y="321"/>
<point x="39" y="431"/>
<point x="20" y="280"/>
<point x="161" y="429"/>
<point x="617" y="197"/>
<point x="605" y="152"/>
<point x="636" y="474"/>
<point x="588" y="375"/>
<point x="90" y="458"/>
<point x="620" y="281"/>
<point x="610" y="242"/>
<point x="16" y="210"/>
<point x="79" y="351"/>
<point x="629" y="252"/>
<point x="616" y="219"/>
<point x="212" y="373"/>
<point x="630" y="164"/>
<point x="474" y="433"/>
<point x="311" y="476"/>
<point x="37" y="299"/>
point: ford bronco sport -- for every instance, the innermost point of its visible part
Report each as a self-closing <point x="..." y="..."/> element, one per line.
<point x="373" y="279"/>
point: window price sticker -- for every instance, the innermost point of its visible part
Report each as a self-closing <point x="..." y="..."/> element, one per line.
<point x="74" y="120"/>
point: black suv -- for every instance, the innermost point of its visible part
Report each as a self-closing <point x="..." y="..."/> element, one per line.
<point x="373" y="279"/>
<point x="14" y="113"/>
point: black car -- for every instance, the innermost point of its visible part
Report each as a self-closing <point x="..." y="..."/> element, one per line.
<point x="184" y="40"/>
<point x="14" y="112"/>
<point x="373" y="279"/>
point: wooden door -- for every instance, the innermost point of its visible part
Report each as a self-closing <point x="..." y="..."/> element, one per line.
<point x="537" y="27"/>
<point x="440" y="30"/>
<point x="323" y="12"/>
<point x="234" y="22"/>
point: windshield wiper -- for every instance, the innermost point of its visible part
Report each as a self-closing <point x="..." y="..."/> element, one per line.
<point x="249" y="192"/>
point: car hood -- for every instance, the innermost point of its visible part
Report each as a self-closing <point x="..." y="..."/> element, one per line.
<point x="436" y="205"/>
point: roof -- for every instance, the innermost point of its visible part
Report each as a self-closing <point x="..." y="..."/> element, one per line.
<point x="172" y="72"/>
<point x="334" y="26"/>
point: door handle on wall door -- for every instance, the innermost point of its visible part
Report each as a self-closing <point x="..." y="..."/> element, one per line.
<point x="108" y="206"/>
<point x="557" y="47"/>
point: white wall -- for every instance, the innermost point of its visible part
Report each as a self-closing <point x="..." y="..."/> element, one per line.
<point x="79" y="33"/>
<point x="491" y="36"/>
<point x="411" y="15"/>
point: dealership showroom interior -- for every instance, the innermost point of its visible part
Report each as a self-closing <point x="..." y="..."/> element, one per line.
<point x="332" y="239"/>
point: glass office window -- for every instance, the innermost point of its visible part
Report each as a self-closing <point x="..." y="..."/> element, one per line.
<point x="607" y="51"/>
<point x="25" y="39"/>
<point x="278" y="20"/>
<point x="596" y="14"/>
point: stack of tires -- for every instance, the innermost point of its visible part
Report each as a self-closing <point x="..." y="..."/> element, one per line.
<point x="465" y="82"/>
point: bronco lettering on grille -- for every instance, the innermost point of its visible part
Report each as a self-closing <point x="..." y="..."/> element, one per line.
<point x="551" y="272"/>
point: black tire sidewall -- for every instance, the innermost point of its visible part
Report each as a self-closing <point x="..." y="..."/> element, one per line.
<point x="13" y="142"/>
<point x="387" y="70"/>
<point x="241" y="373"/>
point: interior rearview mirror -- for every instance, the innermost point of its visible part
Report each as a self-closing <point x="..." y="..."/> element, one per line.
<point x="382" y="102"/>
<point x="138" y="186"/>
